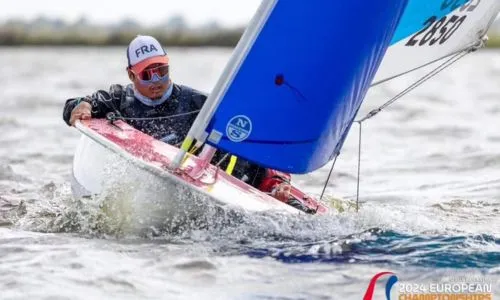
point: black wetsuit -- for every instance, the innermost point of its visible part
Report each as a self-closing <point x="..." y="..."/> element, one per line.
<point x="184" y="101"/>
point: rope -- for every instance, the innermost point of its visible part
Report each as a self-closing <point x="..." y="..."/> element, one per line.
<point x="222" y="160"/>
<point x="359" y="167"/>
<point x="468" y="48"/>
<point x="416" y="84"/>
<point x="114" y="116"/>
<point x="328" y="179"/>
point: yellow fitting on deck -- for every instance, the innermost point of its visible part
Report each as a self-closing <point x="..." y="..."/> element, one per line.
<point x="232" y="163"/>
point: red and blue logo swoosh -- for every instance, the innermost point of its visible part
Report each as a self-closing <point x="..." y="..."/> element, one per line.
<point x="388" y="286"/>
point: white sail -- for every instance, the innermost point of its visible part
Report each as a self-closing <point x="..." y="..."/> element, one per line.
<point x="445" y="27"/>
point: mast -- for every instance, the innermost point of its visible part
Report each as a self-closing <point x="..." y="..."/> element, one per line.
<point x="197" y="130"/>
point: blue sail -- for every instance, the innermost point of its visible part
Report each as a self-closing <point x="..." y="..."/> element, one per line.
<point x="293" y="98"/>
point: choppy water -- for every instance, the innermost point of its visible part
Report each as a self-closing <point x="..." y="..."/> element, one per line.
<point x="430" y="192"/>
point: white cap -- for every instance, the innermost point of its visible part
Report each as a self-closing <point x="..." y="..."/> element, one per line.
<point x="143" y="51"/>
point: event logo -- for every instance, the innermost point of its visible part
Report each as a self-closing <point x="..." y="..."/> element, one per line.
<point x="447" y="288"/>
<point x="388" y="286"/>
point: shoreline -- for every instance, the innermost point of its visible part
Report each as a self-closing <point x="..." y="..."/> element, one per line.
<point x="227" y="39"/>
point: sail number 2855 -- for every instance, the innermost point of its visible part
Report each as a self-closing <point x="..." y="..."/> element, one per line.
<point x="438" y="30"/>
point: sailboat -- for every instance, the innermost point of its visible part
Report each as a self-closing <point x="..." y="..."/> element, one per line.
<point x="286" y="100"/>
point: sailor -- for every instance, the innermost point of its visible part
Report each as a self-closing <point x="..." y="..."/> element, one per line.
<point x="151" y="97"/>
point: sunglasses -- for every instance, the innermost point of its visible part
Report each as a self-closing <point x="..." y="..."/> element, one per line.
<point x="154" y="75"/>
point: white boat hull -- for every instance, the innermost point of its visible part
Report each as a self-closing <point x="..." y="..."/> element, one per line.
<point x="148" y="195"/>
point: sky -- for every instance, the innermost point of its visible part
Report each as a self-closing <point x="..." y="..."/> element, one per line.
<point x="146" y="12"/>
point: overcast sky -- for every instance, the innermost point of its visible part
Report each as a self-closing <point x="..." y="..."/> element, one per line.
<point x="146" y="12"/>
